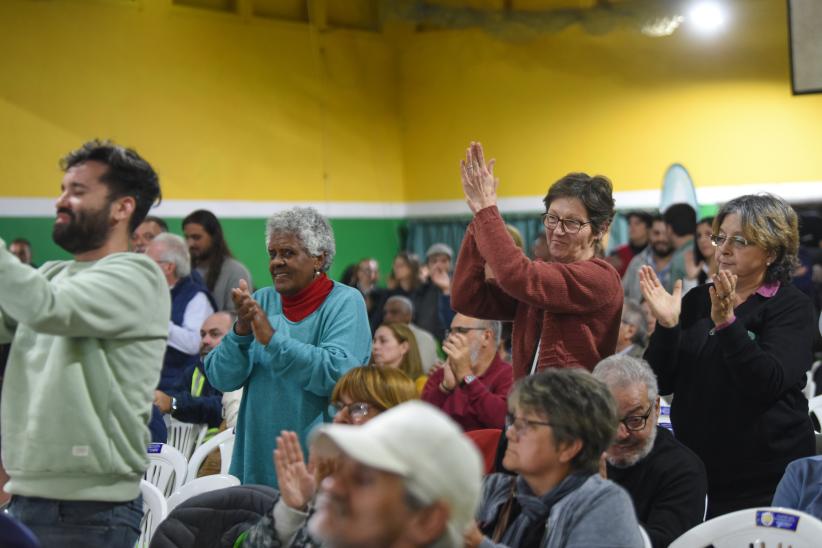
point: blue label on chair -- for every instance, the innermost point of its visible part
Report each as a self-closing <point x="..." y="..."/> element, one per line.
<point x="777" y="520"/>
<point x="664" y="410"/>
<point x="155" y="448"/>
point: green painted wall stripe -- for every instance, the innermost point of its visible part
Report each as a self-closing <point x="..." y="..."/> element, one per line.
<point x="355" y="239"/>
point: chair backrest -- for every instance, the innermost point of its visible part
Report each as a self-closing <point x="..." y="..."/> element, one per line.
<point x="166" y="468"/>
<point x="768" y="527"/>
<point x="815" y="409"/>
<point x="201" y="485"/>
<point x="225" y="441"/>
<point x="154" y="511"/>
<point x="646" y="540"/>
<point x="184" y="436"/>
<point x="665" y="414"/>
<point x="487" y="441"/>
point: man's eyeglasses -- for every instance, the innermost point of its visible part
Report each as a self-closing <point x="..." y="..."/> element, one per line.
<point x="356" y="410"/>
<point x="570" y="226"/>
<point x="521" y="425"/>
<point x="737" y="242"/>
<point x="635" y="423"/>
<point x="463" y="330"/>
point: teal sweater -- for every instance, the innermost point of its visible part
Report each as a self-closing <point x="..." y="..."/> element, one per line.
<point x="287" y="384"/>
<point x="88" y="340"/>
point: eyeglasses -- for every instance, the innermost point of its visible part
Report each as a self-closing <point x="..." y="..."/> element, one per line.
<point x="737" y="242"/>
<point x="635" y="423"/>
<point x="570" y="226"/>
<point x="463" y="330"/>
<point x="356" y="410"/>
<point x="521" y="425"/>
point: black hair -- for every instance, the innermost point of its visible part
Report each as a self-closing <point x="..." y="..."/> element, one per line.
<point x="128" y="174"/>
<point x="219" y="247"/>
<point x="681" y="218"/>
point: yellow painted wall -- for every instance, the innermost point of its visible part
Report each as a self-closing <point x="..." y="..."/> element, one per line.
<point x="620" y="104"/>
<point x="243" y="108"/>
<point x="224" y="107"/>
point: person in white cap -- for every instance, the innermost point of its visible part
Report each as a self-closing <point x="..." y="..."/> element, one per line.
<point x="407" y="478"/>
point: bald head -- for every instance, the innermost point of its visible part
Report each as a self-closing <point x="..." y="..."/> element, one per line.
<point x="398" y="309"/>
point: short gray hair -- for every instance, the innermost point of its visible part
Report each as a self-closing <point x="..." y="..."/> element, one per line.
<point x="174" y="251"/>
<point x="632" y="314"/>
<point x="311" y="228"/>
<point x="621" y="370"/>
<point x="578" y="406"/>
<point x="405" y="301"/>
<point x="495" y="326"/>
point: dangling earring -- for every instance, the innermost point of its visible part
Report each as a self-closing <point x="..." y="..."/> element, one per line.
<point x="316" y="272"/>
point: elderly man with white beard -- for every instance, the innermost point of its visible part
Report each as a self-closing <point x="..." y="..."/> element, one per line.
<point x="665" y="479"/>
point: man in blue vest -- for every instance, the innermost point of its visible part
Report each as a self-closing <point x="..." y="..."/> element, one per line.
<point x="194" y="399"/>
<point x="191" y="304"/>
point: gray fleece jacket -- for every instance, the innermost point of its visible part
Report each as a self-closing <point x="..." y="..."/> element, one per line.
<point x="597" y="514"/>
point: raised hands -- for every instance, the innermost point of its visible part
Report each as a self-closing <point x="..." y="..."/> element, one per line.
<point x="478" y="181"/>
<point x="723" y="297"/>
<point x="250" y="316"/>
<point x="664" y="306"/>
<point x="297" y="482"/>
<point x="458" y="350"/>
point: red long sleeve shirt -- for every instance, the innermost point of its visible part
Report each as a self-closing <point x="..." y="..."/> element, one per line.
<point x="573" y="310"/>
<point x="481" y="404"/>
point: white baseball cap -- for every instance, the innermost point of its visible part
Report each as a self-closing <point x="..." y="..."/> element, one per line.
<point x="420" y="443"/>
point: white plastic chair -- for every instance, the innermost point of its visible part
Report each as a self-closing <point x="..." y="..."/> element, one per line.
<point x="646" y="540"/>
<point x="166" y="468"/>
<point x="184" y="436"/>
<point x="201" y="485"/>
<point x="768" y="527"/>
<point x="154" y="511"/>
<point x="225" y="441"/>
<point x="815" y="409"/>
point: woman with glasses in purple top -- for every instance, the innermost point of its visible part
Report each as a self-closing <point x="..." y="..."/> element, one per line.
<point x="735" y="354"/>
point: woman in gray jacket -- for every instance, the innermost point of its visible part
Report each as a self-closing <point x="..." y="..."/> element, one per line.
<point x="559" y="424"/>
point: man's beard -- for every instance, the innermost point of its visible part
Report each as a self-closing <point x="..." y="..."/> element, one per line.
<point x="626" y="461"/>
<point x="664" y="252"/>
<point x="86" y="230"/>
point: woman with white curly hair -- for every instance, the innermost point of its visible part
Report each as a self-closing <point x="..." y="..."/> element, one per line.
<point x="290" y="344"/>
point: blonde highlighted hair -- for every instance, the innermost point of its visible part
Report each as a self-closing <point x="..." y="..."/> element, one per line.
<point x="377" y="386"/>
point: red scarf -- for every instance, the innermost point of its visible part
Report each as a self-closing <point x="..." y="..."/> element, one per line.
<point x="307" y="300"/>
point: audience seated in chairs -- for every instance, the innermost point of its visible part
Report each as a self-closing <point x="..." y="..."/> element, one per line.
<point x="665" y="479"/>
<point x="281" y="518"/>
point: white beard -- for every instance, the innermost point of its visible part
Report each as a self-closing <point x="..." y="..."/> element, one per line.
<point x="631" y="459"/>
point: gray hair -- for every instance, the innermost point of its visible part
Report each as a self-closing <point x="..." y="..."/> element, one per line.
<point x="771" y="223"/>
<point x="174" y="251"/>
<point x="495" y="326"/>
<point x="632" y="314"/>
<point x="578" y="406"/>
<point x="621" y="370"/>
<point x="311" y="228"/>
<point x="405" y="301"/>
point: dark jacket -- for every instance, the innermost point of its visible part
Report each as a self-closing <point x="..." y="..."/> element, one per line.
<point x="667" y="487"/>
<point x="738" y="392"/>
<point x="215" y="519"/>
<point x="197" y="400"/>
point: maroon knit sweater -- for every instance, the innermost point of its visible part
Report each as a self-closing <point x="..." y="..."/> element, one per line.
<point x="574" y="309"/>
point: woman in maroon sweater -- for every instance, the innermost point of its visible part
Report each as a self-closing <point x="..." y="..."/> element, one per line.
<point x="566" y="312"/>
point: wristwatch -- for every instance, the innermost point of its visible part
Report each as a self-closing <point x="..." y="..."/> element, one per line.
<point x="468" y="379"/>
<point x="173" y="405"/>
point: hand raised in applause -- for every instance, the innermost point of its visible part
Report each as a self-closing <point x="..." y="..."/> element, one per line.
<point x="244" y="305"/>
<point x="297" y="482"/>
<point x="664" y="306"/>
<point x="458" y="350"/>
<point x="723" y="297"/>
<point x="478" y="182"/>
